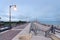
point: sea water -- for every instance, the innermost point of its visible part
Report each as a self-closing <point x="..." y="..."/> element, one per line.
<point x="51" y="22"/>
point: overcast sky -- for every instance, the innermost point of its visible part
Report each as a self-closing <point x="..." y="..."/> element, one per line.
<point x="44" y="10"/>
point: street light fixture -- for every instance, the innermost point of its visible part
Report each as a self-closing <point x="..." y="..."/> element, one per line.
<point x="14" y="6"/>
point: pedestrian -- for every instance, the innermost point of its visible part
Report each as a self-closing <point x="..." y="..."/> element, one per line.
<point x="52" y="29"/>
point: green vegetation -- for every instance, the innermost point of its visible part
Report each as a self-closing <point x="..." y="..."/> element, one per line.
<point x="12" y="23"/>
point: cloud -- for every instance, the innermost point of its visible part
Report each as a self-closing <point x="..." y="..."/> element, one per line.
<point x="41" y="9"/>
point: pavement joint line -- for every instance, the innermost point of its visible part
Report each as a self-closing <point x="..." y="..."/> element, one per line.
<point x="4" y="31"/>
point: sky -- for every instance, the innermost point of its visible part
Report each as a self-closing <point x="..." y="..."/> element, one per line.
<point x="42" y="10"/>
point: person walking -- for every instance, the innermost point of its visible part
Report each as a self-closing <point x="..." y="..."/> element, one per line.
<point x="52" y="29"/>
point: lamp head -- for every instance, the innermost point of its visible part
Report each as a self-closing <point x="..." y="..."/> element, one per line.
<point x="15" y="7"/>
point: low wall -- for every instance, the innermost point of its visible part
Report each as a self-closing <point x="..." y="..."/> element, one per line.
<point x="25" y="31"/>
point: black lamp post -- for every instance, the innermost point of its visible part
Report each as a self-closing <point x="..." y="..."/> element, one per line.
<point x="10" y="13"/>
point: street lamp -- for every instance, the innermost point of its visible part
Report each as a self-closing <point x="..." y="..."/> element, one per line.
<point x="0" y="19"/>
<point x="14" y="6"/>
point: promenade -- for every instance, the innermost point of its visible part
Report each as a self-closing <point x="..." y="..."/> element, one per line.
<point x="10" y="34"/>
<point x="25" y="32"/>
<point x="22" y="33"/>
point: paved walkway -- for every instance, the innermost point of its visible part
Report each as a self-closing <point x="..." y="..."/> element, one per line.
<point x="8" y="35"/>
<point x="23" y="32"/>
<point x="20" y="26"/>
<point x="42" y="27"/>
<point x="46" y="28"/>
<point x="18" y="31"/>
<point x="39" y="38"/>
<point x="26" y="32"/>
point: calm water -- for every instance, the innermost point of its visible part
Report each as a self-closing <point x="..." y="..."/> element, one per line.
<point x="51" y="22"/>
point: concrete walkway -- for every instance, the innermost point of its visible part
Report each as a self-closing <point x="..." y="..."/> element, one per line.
<point x="39" y="38"/>
<point x="26" y="32"/>
<point x="10" y="34"/>
<point x="42" y="27"/>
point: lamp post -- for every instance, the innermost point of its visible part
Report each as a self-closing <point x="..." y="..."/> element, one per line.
<point x="10" y="13"/>
<point x="0" y="19"/>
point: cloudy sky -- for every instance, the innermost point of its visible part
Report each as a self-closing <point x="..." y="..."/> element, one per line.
<point x="44" y="10"/>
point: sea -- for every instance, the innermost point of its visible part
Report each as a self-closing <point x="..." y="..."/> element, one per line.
<point x="51" y="22"/>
